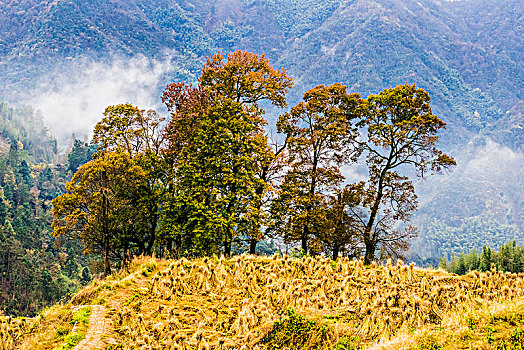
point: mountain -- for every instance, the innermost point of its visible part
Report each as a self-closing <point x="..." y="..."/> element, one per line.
<point x="468" y="54"/>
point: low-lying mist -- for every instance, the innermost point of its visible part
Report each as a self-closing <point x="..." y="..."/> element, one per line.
<point x="74" y="103"/>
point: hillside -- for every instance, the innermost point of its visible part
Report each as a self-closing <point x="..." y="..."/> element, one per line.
<point x="73" y="58"/>
<point x="467" y="54"/>
<point x="250" y="302"/>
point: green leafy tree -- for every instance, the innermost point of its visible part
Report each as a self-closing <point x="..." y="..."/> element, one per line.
<point x="486" y="259"/>
<point x="321" y="138"/>
<point x="81" y="153"/>
<point x="461" y="267"/>
<point x="472" y="261"/>
<point x="401" y="131"/>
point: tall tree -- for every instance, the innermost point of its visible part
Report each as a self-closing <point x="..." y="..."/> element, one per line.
<point x="321" y="138"/>
<point x="187" y="106"/>
<point x="401" y="131"/>
<point x="486" y="259"/>
<point x="139" y="133"/>
<point x="98" y="207"/>
<point x="216" y="185"/>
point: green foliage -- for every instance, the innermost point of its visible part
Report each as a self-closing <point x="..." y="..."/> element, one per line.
<point x="70" y="341"/>
<point x="82" y="316"/>
<point x="296" y="332"/>
<point x="81" y="153"/>
<point x="444" y="237"/>
<point x="509" y="258"/>
<point x="81" y="320"/>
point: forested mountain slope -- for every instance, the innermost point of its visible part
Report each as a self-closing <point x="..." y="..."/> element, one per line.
<point x="34" y="271"/>
<point x="467" y="54"/>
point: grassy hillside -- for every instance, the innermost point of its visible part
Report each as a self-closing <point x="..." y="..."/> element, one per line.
<point x="252" y="302"/>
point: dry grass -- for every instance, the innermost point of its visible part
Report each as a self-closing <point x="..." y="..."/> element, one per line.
<point x="12" y="331"/>
<point x="219" y="303"/>
<point x="46" y="331"/>
<point x="250" y="302"/>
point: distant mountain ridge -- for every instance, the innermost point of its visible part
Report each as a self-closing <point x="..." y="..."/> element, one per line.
<point x="467" y="54"/>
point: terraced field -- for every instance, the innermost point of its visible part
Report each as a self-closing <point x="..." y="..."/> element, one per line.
<point x="250" y="302"/>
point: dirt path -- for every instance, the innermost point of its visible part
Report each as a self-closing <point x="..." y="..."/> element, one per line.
<point x="97" y="327"/>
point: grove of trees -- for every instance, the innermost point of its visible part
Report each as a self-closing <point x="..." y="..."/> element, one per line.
<point x="210" y="177"/>
<point x="508" y="258"/>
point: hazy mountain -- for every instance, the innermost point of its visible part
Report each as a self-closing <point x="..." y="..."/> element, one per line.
<point x="468" y="54"/>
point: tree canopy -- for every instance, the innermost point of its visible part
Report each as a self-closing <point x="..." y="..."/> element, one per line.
<point x="209" y="179"/>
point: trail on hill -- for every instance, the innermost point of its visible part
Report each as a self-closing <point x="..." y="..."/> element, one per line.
<point x="97" y="327"/>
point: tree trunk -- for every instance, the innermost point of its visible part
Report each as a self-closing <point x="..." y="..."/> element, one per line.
<point x="227" y="247"/>
<point x="169" y="246"/>
<point x="304" y="241"/>
<point x="127" y="258"/>
<point x="105" y="259"/>
<point x="152" y="234"/>
<point x="178" y="246"/>
<point x="336" y="249"/>
<point x="370" y="253"/>
<point x="141" y="247"/>
<point x="253" y="246"/>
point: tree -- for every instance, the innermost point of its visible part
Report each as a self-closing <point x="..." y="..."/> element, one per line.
<point x="342" y="227"/>
<point x="321" y="138"/>
<point x="472" y="261"/>
<point x="216" y="143"/>
<point x="140" y="134"/>
<point x="245" y="78"/>
<point x="188" y="106"/>
<point x="400" y="132"/>
<point x="461" y="267"/>
<point x="98" y="206"/>
<point x="127" y="128"/>
<point x="81" y="153"/>
<point x="216" y="179"/>
<point x="25" y="173"/>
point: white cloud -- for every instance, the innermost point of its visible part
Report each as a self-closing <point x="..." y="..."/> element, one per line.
<point x="76" y="103"/>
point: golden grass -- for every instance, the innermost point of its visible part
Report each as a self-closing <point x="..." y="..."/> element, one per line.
<point x="12" y="331"/>
<point x="250" y="302"/>
<point x="234" y="303"/>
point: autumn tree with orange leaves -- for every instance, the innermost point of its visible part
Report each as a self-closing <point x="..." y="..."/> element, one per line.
<point x="219" y="152"/>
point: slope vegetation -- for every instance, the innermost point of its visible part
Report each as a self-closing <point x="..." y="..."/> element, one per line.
<point x="252" y="302"/>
